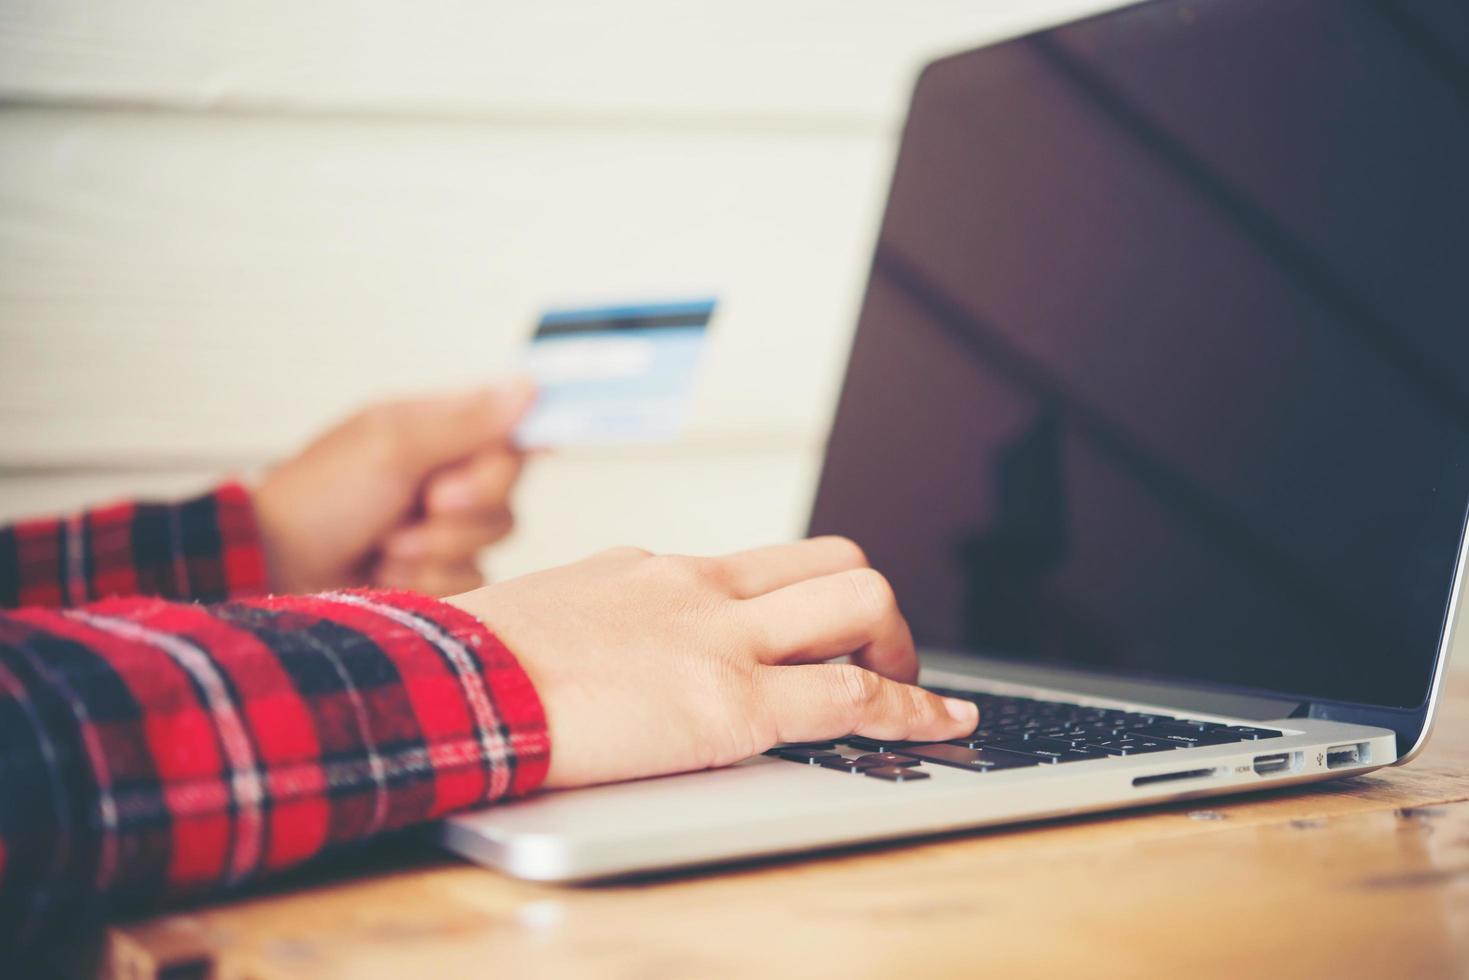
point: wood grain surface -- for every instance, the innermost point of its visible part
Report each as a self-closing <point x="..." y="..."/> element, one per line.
<point x="1367" y="877"/>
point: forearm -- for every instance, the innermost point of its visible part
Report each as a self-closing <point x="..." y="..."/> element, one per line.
<point x="150" y="749"/>
<point x="205" y="549"/>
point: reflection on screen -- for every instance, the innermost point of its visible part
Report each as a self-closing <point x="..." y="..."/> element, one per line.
<point x="1164" y="359"/>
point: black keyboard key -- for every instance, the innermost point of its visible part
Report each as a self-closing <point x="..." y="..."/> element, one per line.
<point x="888" y="759"/>
<point x="1117" y="714"/>
<point x="1090" y="729"/>
<point x="800" y="745"/>
<point x="895" y="774"/>
<point x="1056" y="731"/>
<point x="1172" y="726"/>
<point x="1028" y="733"/>
<point x="1189" y="736"/>
<point x="1203" y="726"/>
<point x="1016" y="744"/>
<point x="1132" y="746"/>
<point x="1141" y="743"/>
<point x="973" y="741"/>
<point x="1101" y="731"/>
<point x="874" y="744"/>
<point x="809" y="756"/>
<point x="1048" y="750"/>
<point x="847" y="765"/>
<point x="1250" y="732"/>
<point x="1074" y="738"/>
<point x="1179" y="726"/>
<point x="975" y="760"/>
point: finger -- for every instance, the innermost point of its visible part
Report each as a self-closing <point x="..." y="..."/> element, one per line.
<point x="823" y="701"/>
<point x="440" y="430"/>
<point x="852" y="612"/>
<point x="761" y="570"/>
<point x="428" y="578"/>
<point x="481" y="483"/>
<point x="448" y="541"/>
<point x="620" y="557"/>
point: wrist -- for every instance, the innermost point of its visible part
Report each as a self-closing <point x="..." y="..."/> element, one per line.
<point x="454" y="696"/>
<point x="500" y="621"/>
<point x="513" y="696"/>
<point x="268" y="524"/>
<point x="286" y="572"/>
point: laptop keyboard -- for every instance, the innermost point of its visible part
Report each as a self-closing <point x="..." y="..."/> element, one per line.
<point x="1016" y="732"/>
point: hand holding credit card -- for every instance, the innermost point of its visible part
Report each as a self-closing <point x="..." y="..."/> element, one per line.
<point x="613" y="375"/>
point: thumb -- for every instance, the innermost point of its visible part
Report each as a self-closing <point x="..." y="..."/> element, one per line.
<point x="438" y="430"/>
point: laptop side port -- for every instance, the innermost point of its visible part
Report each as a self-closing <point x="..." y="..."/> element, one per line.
<point x="1277" y="763"/>
<point x="1341" y="756"/>
<point x="1168" y="777"/>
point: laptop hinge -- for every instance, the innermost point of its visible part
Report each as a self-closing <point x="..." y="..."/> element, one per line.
<point x="1172" y="694"/>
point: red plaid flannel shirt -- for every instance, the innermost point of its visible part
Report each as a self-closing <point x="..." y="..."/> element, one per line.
<point x="153" y="748"/>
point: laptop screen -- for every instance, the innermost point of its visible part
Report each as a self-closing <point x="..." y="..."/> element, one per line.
<point x="1163" y="364"/>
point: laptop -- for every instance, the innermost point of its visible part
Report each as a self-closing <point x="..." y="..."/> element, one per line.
<point x="1156" y="418"/>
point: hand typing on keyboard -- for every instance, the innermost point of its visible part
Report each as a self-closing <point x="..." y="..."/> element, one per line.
<point x="650" y="664"/>
<point x="1018" y="732"/>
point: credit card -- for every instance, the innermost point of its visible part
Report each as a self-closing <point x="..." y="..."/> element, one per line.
<point x="614" y="374"/>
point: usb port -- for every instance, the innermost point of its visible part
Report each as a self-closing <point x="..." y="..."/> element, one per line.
<point x="1273" y="765"/>
<point x="1340" y="756"/>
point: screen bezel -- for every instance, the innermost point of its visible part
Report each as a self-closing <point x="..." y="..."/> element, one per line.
<point x="1411" y="725"/>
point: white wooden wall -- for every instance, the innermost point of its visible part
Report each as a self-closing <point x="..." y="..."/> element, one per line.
<point x="223" y="224"/>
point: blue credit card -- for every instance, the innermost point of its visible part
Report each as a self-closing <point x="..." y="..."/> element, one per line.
<point x="616" y="374"/>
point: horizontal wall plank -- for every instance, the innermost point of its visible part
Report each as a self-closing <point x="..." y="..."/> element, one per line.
<point x="47" y="493"/>
<point x="568" y="505"/>
<point x="702" y="503"/>
<point x="818" y="62"/>
<point x="223" y="225"/>
<point x="183" y="287"/>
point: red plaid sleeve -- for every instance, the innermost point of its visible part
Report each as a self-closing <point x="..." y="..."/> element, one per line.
<point x="203" y="549"/>
<point x="151" y="749"/>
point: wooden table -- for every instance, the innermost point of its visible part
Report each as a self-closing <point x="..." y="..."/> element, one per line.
<point x="1366" y="877"/>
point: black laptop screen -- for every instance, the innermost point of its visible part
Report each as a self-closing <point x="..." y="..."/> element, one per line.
<point x="1163" y="364"/>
